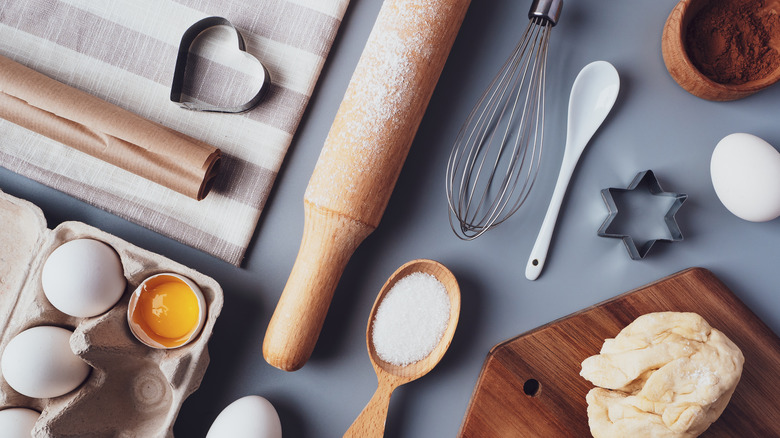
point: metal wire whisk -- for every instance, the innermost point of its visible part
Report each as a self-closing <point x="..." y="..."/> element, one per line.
<point x="496" y="156"/>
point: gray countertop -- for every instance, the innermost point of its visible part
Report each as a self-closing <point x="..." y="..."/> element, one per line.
<point x="655" y="125"/>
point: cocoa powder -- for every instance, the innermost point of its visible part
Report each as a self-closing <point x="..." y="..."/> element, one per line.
<point x="729" y="40"/>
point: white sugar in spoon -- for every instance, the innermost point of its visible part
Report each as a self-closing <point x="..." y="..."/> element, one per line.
<point x="371" y="421"/>
<point x="594" y="92"/>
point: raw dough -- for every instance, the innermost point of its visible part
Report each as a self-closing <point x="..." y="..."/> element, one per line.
<point x="666" y="375"/>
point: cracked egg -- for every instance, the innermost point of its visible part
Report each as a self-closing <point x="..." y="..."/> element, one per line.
<point x="166" y="311"/>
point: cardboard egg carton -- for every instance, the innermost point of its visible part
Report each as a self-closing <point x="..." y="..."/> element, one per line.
<point x="132" y="390"/>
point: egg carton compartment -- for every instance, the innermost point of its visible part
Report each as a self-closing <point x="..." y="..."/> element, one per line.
<point x="132" y="389"/>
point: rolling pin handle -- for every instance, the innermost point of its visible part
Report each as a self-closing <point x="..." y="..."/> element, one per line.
<point x="329" y="239"/>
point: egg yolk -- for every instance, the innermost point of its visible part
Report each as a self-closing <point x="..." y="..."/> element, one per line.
<point x="169" y="309"/>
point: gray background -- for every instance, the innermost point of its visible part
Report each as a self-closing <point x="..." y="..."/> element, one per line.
<point x="654" y="125"/>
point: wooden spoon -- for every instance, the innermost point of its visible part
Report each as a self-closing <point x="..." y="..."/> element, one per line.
<point x="371" y="421"/>
<point x="674" y="51"/>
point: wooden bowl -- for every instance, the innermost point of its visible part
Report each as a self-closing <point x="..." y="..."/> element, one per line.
<point x="683" y="71"/>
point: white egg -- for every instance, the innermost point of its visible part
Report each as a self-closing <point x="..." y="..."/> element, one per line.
<point x="248" y="417"/>
<point x="745" y="173"/>
<point x="83" y="278"/>
<point x="17" y="422"/>
<point x="39" y="363"/>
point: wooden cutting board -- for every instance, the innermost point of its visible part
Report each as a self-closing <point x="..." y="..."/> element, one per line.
<point x="530" y="385"/>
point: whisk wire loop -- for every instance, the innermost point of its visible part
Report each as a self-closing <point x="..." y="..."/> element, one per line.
<point x="496" y="155"/>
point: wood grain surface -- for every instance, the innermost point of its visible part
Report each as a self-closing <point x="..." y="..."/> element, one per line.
<point x="551" y="355"/>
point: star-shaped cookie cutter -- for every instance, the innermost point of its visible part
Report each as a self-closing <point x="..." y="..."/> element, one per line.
<point x="648" y="179"/>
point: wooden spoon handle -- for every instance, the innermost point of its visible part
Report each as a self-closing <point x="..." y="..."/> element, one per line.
<point x="371" y="421"/>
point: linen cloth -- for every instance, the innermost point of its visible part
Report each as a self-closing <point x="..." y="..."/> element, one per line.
<point x="124" y="51"/>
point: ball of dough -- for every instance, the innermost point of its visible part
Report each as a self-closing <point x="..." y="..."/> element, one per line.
<point x="665" y="375"/>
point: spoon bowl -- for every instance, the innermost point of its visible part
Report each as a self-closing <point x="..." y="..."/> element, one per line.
<point x="417" y="369"/>
<point x="371" y="421"/>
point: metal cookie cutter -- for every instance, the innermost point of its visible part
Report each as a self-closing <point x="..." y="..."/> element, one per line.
<point x="181" y="65"/>
<point x="647" y="179"/>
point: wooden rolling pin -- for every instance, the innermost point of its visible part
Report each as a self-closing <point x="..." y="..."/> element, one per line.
<point x="360" y="162"/>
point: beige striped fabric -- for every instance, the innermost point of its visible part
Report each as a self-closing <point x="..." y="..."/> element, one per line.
<point x="124" y="51"/>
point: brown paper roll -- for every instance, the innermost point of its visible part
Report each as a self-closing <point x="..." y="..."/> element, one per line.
<point x="106" y="131"/>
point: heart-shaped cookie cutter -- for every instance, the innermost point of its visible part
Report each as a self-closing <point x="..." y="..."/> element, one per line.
<point x="181" y="65"/>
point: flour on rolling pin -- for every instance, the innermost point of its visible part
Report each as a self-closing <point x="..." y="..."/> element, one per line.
<point x="376" y="109"/>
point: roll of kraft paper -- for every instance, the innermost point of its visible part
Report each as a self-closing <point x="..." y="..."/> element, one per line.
<point x="106" y="131"/>
<point x="360" y="162"/>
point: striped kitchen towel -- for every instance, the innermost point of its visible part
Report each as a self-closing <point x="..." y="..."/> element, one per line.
<point x="124" y="51"/>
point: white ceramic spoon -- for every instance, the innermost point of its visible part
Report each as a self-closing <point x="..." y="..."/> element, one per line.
<point x="592" y="96"/>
